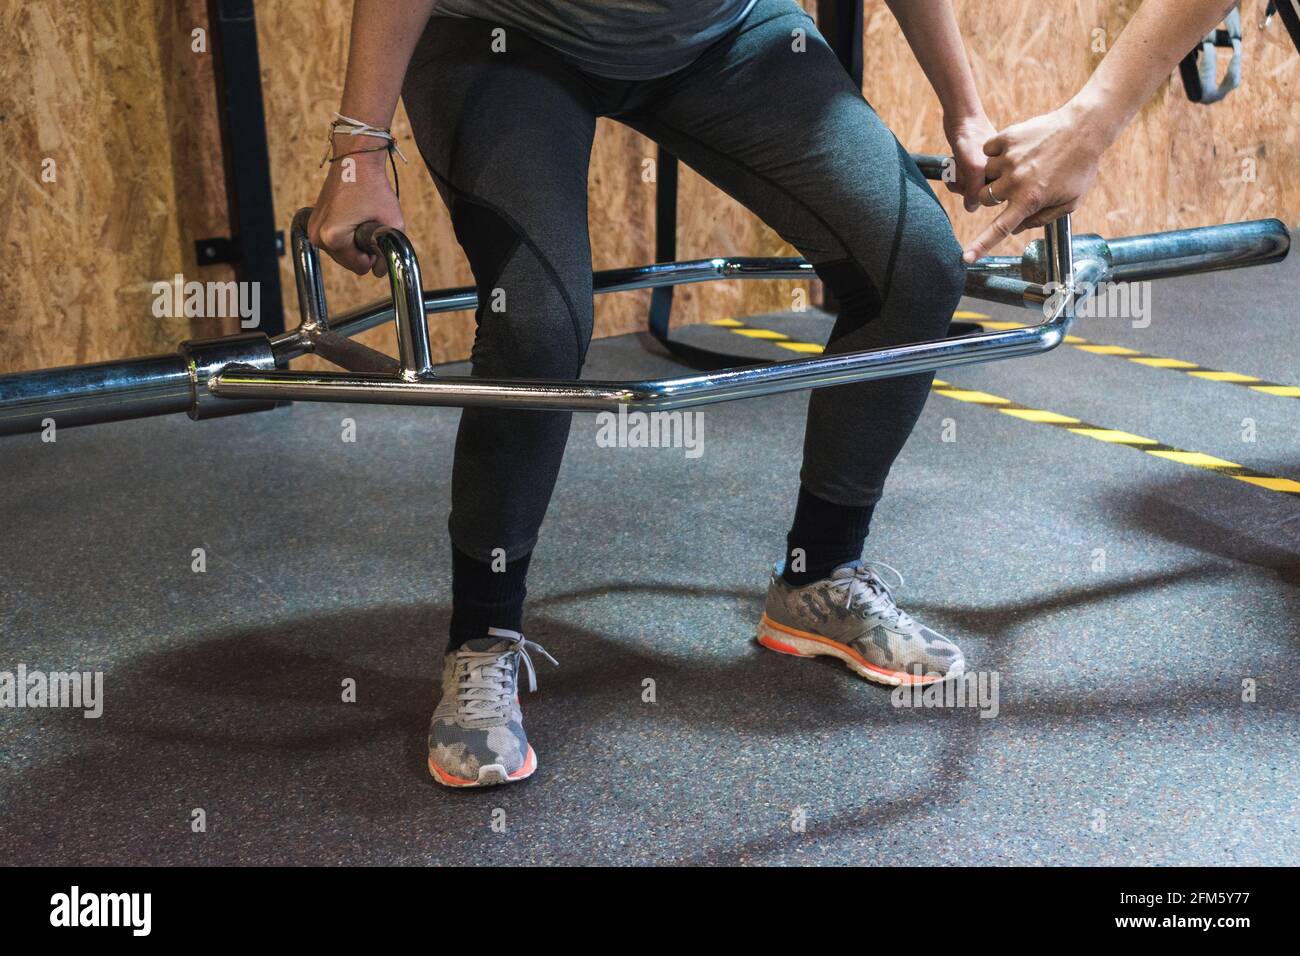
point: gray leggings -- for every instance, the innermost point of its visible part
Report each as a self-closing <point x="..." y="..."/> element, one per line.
<point x="779" y="126"/>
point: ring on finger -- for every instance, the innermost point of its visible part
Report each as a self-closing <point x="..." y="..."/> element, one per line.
<point x="993" y="199"/>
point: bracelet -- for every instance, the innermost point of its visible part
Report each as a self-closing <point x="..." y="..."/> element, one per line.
<point x="356" y="152"/>
<point x="345" y="124"/>
<point x="352" y="127"/>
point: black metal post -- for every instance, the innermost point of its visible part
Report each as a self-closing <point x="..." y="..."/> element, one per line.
<point x="254" y="246"/>
<point x="661" y="299"/>
<point x="840" y="22"/>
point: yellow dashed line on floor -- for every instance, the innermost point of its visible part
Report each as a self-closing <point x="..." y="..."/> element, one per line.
<point x="1195" y="458"/>
<point x="760" y="334"/>
<point x="1112" y="436"/>
<point x="1252" y="382"/>
<point x="968" y="395"/>
<point x="1038" y="415"/>
<point x="1222" y="376"/>
<point x="1164" y="362"/>
<point x="1107" y="350"/>
<point x="1285" y="485"/>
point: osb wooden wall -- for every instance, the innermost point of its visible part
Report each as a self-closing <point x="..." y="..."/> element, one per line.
<point x="113" y="94"/>
<point x="107" y="134"/>
<point x="1179" y="165"/>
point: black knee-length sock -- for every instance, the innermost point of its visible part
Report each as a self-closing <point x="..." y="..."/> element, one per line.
<point x="482" y="597"/>
<point x="823" y="537"/>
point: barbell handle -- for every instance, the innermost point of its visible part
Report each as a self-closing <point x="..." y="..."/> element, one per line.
<point x="365" y="236"/>
<point x="407" y="290"/>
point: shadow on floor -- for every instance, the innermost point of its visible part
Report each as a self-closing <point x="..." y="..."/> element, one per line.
<point x="1269" y="543"/>
<point x="252" y="721"/>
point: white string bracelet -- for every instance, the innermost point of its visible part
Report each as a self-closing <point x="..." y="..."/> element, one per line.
<point x="352" y="127"/>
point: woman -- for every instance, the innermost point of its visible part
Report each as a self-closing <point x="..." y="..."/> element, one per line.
<point x="503" y="96"/>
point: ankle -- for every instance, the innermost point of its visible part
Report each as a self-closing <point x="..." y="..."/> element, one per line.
<point x="823" y="537"/>
<point x="485" y="595"/>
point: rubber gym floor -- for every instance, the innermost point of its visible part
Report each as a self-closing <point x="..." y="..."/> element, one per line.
<point x="1140" y="606"/>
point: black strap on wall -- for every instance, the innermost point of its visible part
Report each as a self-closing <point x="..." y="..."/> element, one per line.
<point x="840" y="21"/>
<point x="1199" y="68"/>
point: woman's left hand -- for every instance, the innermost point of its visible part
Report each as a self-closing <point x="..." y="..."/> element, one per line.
<point x="967" y="137"/>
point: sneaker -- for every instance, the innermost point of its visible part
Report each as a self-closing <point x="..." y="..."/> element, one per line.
<point x="476" y="736"/>
<point x="852" y="616"/>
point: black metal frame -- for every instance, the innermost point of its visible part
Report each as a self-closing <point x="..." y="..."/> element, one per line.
<point x="255" y="245"/>
<point x="840" y="22"/>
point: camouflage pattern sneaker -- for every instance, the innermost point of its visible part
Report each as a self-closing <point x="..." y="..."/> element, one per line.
<point x="476" y="737"/>
<point x="852" y="616"/>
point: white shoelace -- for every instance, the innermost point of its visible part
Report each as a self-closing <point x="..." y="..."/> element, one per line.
<point x="485" y="680"/>
<point x="863" y="585"/>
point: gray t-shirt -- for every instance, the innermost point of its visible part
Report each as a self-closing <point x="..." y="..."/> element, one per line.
<point x="621" y="39"/>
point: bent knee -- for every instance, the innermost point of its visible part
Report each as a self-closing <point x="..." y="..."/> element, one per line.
<point x="541" y="340"/>
<point x="930" y="262"/>
<point x="929" y="280"/>
<point x="534" y="304"/>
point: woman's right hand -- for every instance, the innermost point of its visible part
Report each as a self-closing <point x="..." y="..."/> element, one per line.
<point x="1037" y="171"/>
<point x="353" y="193"/>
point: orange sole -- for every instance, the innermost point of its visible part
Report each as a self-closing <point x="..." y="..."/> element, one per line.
<point x="451" y="780"/>
<point x="796" y="643"/>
